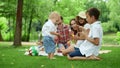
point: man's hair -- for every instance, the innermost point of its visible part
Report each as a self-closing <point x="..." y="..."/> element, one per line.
<point x="93" y="12"/>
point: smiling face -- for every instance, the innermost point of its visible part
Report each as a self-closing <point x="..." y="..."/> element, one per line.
<point x="73" y="24"/>
<point x="82" y="21"/>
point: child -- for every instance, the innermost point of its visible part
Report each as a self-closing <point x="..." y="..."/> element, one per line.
<point x="34" y="50"/>
<point x="49" y="32"/>
<point x="89" y="49"/>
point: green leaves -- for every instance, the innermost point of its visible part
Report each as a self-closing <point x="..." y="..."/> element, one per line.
<point x="118" y="37"/>
<point x="3" y="23"/>
<point x="114" y="13"/>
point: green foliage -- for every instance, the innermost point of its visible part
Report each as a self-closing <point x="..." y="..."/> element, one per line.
<point x="108" y="27"/>
<point x="8" y="36"/>
<point x="101" y="5"/>
<point x="69" y="8"/>
<point x="3" y="23"/>
<point x="5" y="30"/>
<point x="38" y="10"/>
<point x="114" y="13"/>
<point x="118" y="37"/>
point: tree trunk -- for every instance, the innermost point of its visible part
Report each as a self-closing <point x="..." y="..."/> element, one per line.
<point x="29" y="28"/>
<point x="18" y="30"/>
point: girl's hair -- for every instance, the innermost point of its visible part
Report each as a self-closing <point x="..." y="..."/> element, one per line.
<point x="75" y="31"/>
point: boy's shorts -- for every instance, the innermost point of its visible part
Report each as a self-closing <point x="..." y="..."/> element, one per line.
<point x="49" y="44"/>
<point x="76" y="52"/>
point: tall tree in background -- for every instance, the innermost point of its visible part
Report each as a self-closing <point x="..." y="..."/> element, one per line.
<point x="114" y="13"/>
<point x="101" y="5"/>
<point x="18" y="30"/>
<point x="68" y="8"/>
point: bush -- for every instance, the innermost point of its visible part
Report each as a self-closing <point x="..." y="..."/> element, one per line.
<point x="108" y="27"/>
<point x="118" y="37"/>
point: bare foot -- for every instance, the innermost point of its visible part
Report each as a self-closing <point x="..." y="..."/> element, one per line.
<point x="93" y="58"/>
<point x="53" y="58"/>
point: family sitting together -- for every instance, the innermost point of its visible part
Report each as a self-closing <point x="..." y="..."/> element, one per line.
<point x="80" y="40"/>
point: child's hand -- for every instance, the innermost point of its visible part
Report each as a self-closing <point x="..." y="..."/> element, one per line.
<point x="82" y="28"/>
<point x="83" y="35"/>
<point x="56" y="39"/>
<point x="68" y="43"/>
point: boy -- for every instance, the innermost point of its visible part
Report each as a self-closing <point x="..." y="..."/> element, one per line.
<point x="89" y="49"/>
<point x="49" y="33"/>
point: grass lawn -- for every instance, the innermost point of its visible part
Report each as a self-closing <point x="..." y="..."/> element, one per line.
<point x="11" y="57"/>
<point x="109" y="39"/>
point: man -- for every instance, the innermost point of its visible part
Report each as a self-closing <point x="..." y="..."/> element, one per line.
<point x="64" y="38"/>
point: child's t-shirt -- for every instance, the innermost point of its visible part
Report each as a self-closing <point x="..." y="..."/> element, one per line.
<point x="87" y="48"/>
<point x="48" y="27"/>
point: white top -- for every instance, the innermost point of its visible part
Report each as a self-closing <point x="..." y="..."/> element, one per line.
<point x="87" y="26"/>
<point x="48" y="27"/>
<point x="87" y="48"/>
<point x="79" y="42"/>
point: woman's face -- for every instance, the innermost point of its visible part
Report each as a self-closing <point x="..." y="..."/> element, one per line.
<point x="73" y="24"/>
<point x="81" y="21"/>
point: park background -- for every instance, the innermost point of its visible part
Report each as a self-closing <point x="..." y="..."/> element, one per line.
<point x="22" y="20"/>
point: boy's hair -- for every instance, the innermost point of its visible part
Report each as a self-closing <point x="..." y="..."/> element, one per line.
<point x="93" y="12"/>
<point x="53" y="15"/>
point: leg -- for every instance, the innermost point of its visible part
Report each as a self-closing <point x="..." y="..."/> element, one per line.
<point x="92" y="57"/>
<point x="76" y="58"/>
<point x="60" y="47"/>
<point x="68" y="50"/>
<point x="52" y="56"/>
<point x="83" y="58"/>
<point x="49" y="55"/>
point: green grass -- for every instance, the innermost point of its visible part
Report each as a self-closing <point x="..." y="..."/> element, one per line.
<point x="11" y="57"/>
<point x="109" y="39"/>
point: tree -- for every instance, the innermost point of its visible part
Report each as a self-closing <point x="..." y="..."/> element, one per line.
<point x="69" y="8"/>
<point x="3" y="26"/>
<point x="101" y="5"/>
<point x="34" y="11"/>
<point x="114" y="13"/>
<point x="18" y="30"/>
<point x="8" y="10"/>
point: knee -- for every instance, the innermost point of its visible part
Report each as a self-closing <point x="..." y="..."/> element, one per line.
<point x="69" y="58"/>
